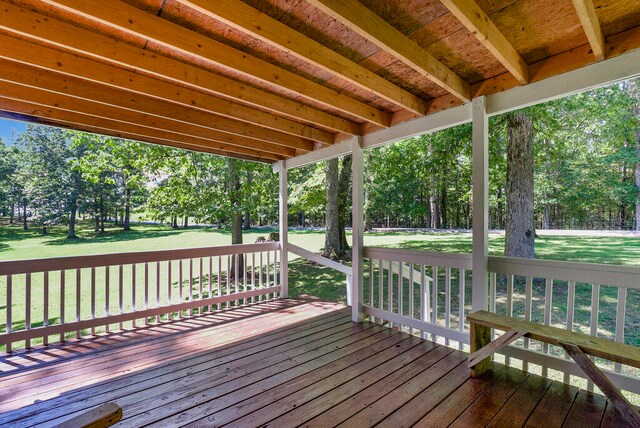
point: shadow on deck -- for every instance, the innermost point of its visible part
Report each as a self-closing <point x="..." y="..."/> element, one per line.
<point x="281" y="363"/>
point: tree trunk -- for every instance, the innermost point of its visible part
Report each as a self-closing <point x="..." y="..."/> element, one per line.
<point x="174" y="222"/>
<point x="127" y="211"/>
<point x="635" y="92"/>
<point x="332" y="238"/>
<point x="73" y="209"/>
<point x="246" y="220"/>
<point x="12" y="213"/>
<point x="520" y="228"/>
<point x="236" y="213"/>
<point x="185" y="222"/>
<point x="433" y="203"/>
<point x="24" y="214"/>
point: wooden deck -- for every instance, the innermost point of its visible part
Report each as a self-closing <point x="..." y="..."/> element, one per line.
<point x="281" y="364"/>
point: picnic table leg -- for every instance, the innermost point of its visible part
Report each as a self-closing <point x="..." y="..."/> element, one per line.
<point x="480" y="336"/>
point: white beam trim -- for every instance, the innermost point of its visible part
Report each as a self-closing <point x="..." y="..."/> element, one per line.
<point x="603" y="73"/>
<point x="357" y="246"/>
<point x="284" y="231"/>
<point x="340" y="149"/>
<point x="480" y="184"/>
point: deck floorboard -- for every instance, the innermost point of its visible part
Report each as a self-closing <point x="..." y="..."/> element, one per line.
<point x="281" y="363"/>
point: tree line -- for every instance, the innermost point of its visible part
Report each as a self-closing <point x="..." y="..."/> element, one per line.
<point x="570" y="163"/>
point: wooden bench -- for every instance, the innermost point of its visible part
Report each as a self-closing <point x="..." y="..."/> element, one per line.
<point x="102" y="416"/>
<point x="577" y="345"/>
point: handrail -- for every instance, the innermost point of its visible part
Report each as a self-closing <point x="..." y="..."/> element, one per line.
<point x="319" y="259"/>
<point x="452" y="260"/>
<point x="12" y="267"/>
<point x="592" y="273"/>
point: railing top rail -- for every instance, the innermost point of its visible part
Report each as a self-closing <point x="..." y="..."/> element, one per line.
<point x="430" y="258"/>
<point x="319" y="259"/>
<point x="11" y="267"/>
<point x="591" y="273"/>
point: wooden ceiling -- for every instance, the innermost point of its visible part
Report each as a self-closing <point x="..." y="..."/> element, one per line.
<point x="268" y="80"/>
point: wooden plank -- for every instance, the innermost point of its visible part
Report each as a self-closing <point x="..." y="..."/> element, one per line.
<point x="591" y="25"/>
<point x="484" y="409"/>
<point x="261" y="26"/>
<point x="375" y="398"/>
<point x="136" y="22"/>
<point x="319" y="259"/>
<point x="457" y="402"/>
<point x="476" y="20"/>
<point x="388" y="403"/>
<point x="595" y="374"/>
<point x="599" y="347"/>
<point x="552" y="409"/>
<point x="494" y="346"/>
<point x="479" y="337"/>
<point x="35" y="26"/>
<point x="116" y="103"/>
<point x="587" y="410"/>
<point x="102" y="416"/>
<point x="522" y="403"/>
<point x="367" y="24"/>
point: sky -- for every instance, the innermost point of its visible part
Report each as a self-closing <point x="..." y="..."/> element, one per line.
<point x="8" y="126"/>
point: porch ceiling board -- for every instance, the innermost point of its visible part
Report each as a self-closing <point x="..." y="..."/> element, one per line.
<point x="270" y="80"/>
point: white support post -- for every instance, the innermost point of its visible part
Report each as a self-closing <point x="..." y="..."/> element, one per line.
<point x="480" y="182"/>
<point x="357" y="231"/>
<point x="284" y="228"/>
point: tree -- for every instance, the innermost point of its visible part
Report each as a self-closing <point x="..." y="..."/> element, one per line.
<point x="520" y="228"/>
<point x="338" y="173"/>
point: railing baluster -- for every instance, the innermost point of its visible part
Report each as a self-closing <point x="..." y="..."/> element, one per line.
<point x="27" y="309"/>
<point x="219" y="292"/>
<point x="169" y="286"/>
<point x="228" y="302"/>
<point x="447" y="300"/>
<point x="244" y="276"/>
<point x="424" y="299"/>
<point x="268" y="296"/>
<point x="371" y="283"/>
<point x="461" y="302"/>
<point x="275" y="273"/>
<point x="200" y="296"/>
<point x="45" y="307"/>
<point x="492" y="298"/>
<point x="528" y="302"/>
<point x="400" y="287"/>
<point x="181" y="285"/>
<point x="133" y="292"/>
<point x="210" y="281"/>
<point x="93" y="298"/>
<point x="107" y="292"/>
<point x="509" y="306"/>
<point x="236" y="276"/>
<point x="63" y="279"/>
<point x="253" y="275"/>
<point x="411" y="296"/>
<point x="595" y="309"/>
<point x="78" y="293"/>
<point x="380" y="286"/>
<point x="190" y="282"/>
<point x="9" y="309"/>
<point x="260" y="277"/>
<point x="621" y="308"/>
<point x="571" y="301"/>
<point x="146" y="290"/>
<point x="120" y="290"/>
<point x="434" y="299"/>
<point x="157" y="290"/>
<point x="548" y="302"/>
<point x="390" y="290"/>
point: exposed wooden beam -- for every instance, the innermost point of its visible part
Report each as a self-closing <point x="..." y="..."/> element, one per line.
<point x="105" y="98"/>
<point x="43" y="98"/>
<point x="591" y="25"/>
<point x="29" y="24"/>
<point x="245" y="18"/>
<point x="365" y="22"/>
<point x="29" y="53"/>
<point x="476" y="20"/>
<point x="43" y="115"/>
<point x="134" y="21"/>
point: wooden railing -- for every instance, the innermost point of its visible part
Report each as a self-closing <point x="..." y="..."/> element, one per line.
<point x="429" y="294"/>
<point x="57" y="298"/>
<point x="583" y="297"/>
<point x="419" y="291"/>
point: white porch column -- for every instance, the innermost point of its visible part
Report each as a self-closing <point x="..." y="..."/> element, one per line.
<point x="480" y="182"/>
<point x="357" y="231"/>
<point x="284" y="228"/>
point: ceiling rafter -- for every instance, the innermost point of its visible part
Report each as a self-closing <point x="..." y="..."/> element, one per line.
<point x="29" y="24"/>
<point x="52" y="116"/>
<point x="26" y="93"/>
<point x="251" y="21"/>
<point x="53" y="60"/>
<point x="367" y="24"/>
<point x="591" y="25"/>
<point x="101" y="95"/>
<point x="478" y="22"/>
<point x="134" y="21"/>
